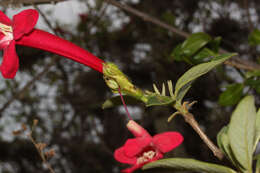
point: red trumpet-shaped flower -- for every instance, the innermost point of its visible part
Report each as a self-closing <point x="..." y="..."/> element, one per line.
<point x="21" y="31"/>
<point x="144" y="148"/>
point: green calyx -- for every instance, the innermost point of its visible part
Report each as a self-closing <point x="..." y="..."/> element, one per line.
<point x="116" y="79"/>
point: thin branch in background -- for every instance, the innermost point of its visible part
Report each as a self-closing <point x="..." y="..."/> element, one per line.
<point x="148" y="18"/>
<point x="6" y="3"/>
<point x="44" y="18"/>
<point x="247" y="8"/>
<point x="40" y="147"/>
<point x="101" y="14"/>
<point x="235" y="61"/>
<point x="20" y="93"/>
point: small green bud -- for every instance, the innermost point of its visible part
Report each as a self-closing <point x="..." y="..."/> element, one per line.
<point x="114" y="79"/>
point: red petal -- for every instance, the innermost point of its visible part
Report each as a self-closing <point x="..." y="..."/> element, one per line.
<point x="135" y="146"/>
<point x="24" y="22"/>
<point x="120" y="156"/>
<point x="10" y="63"/>
<point x="4" y="19"/>
<point x="167" y="141"/>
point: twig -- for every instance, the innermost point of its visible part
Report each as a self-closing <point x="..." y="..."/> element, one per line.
<point x="39" y="146"/>
<point x="101" y="14"/>
<point x="189" y="118"/>
<point x="40" y="153"/>
<point x="235" y="62"/>
<point x="44" y="17"/>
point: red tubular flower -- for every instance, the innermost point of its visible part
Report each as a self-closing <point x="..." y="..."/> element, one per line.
<point x="144" y="148"/>
<point x="21" y="31"/>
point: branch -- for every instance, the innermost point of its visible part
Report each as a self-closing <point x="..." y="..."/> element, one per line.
<point x="6" y="3"/>
<point x="235" y="62"/>
<point x="20" y="93"/>
<point x="189" y="118"/>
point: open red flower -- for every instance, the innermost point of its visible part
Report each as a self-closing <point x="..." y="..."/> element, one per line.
<point x="21" y="31"/>
<point x="144" y="148"/>
<point x="10" y="31"/>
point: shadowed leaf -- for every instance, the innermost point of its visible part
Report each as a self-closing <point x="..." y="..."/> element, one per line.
<point x="231" y="95"/>
<point x="188" y="165"/>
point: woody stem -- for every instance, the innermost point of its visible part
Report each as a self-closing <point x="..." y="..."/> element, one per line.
<point x="189" y="118"/>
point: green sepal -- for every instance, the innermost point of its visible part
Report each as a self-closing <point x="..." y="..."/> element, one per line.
<point x="116" y="79"/>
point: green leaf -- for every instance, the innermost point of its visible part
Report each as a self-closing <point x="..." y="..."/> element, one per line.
<point x="255" y="73"/>
<point x="231" y="95"/>
<point x="168" y="17"/>
<point x="201" y="55"/>
<point x="116" y="101"/>
<point x="156" y="100"/>
<point x="215" y="43"/>
<point x="194" y="43"/>
<point x="184" y="82"/>
<point x="188" y="165"/>
<point x="241" y="131"/>
<point x="254" y="37"/>
<point x="257" y="129"/>
<point x="254" y="83"/>
<point x="219" y="136"/>
<point x="183" y="91"/>
<point x="224" y="145"/>
<point x="223" y="141"/>
<point x="177" y="53"/>
<point x="190" y="47"/>
<point x="257" y="169"/>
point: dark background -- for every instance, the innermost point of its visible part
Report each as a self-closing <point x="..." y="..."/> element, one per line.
<point x="67" y="100"/>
